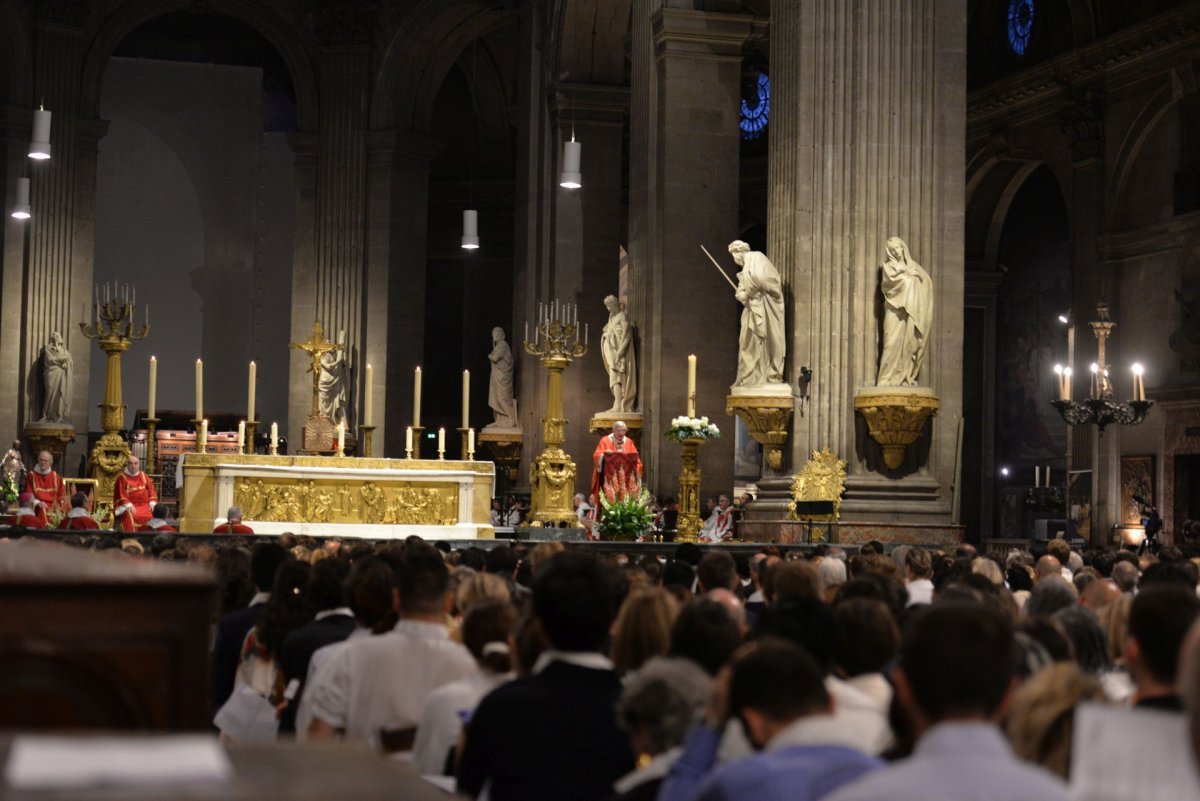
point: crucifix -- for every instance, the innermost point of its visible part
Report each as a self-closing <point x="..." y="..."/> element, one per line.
<point x="316" y="347"/>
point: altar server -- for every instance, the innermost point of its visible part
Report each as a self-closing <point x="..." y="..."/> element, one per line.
<point x="79" y="518"/>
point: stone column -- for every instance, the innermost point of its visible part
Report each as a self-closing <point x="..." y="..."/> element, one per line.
<point x="587" y="246"/>
<point x="14" y="144"/>
<point x="687" y="141"/>
<point x="329" y="276"/>
<point x="1082" y="118"/>
<point x="397" y="214"/>
<point x="868" y="141"/>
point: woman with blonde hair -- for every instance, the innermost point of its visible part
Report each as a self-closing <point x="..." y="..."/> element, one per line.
<point x="1044" y="711"/>
<point x="642" y="629"/>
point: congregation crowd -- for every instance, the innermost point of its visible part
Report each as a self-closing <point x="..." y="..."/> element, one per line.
<point x="552" y="673"/>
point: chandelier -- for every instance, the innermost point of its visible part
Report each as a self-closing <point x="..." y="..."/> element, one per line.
<point x="1099" y="408"/>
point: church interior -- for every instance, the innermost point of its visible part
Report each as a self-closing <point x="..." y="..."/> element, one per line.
<point x="889" y="275"/>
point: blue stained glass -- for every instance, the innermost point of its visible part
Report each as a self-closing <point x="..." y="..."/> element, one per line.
<point x="1020" y="25"/>
<point x="754" y="117"/>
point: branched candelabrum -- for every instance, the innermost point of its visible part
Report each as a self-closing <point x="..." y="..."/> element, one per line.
<point x="556" y="341"/>
<point x="114" y="329"/>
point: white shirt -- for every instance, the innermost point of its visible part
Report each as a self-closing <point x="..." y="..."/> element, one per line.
<point x="441" y="720"/>
<point x="317" y="674"/>
<point x="920" y="591"/>
<point x="857" y="709"/>
<point x="381" y="683"/>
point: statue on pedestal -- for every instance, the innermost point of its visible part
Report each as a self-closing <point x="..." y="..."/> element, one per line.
<point x="334" y="383"/>
<point x="761" y="344"/>
<point x="57" y="372"/>
<point x="907" y="315"/>
<point x="500" y="384"/>
<point x="617" y="351"/>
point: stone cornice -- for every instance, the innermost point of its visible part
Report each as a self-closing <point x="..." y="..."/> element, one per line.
<point x="1036" y="89"/>
<point x="1149" y="240"/>
<point x="700" y="34"/>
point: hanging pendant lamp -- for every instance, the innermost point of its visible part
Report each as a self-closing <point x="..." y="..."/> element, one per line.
<point x="39" y="145"/>
<point x="21" y="208"/>
<point x="470" y="234"/>
<point x="571" y="177"/>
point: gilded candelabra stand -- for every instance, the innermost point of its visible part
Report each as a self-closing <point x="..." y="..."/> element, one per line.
<point x="687" y="529"/>
<point x="114" y="330"/>
<point x="552" y="475"/>
<point x="1099" y="408"/>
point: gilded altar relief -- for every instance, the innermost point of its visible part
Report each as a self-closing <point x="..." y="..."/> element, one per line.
<point x="371" y="502"/>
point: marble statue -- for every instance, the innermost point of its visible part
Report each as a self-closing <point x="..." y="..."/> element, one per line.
<point x="761" y="344"/>
<point x="616" y="349"/>
<point x="57" y="373"/>
<point x="907" y="314"/>
<point x="500" y="385"/>
<point x="334" y="383"/>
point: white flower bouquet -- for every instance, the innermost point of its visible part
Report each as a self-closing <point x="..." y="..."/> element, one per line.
<point x="684" y="427"/>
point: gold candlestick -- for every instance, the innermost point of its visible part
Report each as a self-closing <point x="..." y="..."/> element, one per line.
<point x="201" y="444"/>
<point x="364" y="437"/>
<point x="151" y="427"/>
<point x="416" y="448"/>
<point x="688" y="527"/>
<point x="251" y="425"/>
<point x="552" y="482"/>
<point x="462" y="435"/>
<point x="114" y="331"/>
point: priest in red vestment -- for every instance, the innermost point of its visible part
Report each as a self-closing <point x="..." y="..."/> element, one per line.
<point x="133" y="496"/>
<point x="47" y="488"/>
<point x="79" y="518"/>
<point x="616" y="442"/>
<point x="158" y="523"/>
<point x="25" y="515"/>
<point x="233" y="523"/>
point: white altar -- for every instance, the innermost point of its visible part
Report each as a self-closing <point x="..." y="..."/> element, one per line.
<point x="339" y="496"/>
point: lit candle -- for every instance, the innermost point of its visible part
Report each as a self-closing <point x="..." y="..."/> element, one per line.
<point x="471" y="443"/>
<point x="1139" y="389"/>
<point x="368" y="402"/>
<point x="274" y="436"/>
<point x="250" y="393"/>
<point x="1095" y="368"/>
<point x="691" y="386"/>
<point x="153" y="404"/>
<point x="342" y="437"/>
<point x="408" y="439"/>
<point x="441" y="442"/>
<point x="241" y="434"/>
<point x="417" y="399"/>
<point x="199" y="389"/>
<point x="1067" y="383"/>
<point x="1062" y="392"/>
<point x="466" y="400"/>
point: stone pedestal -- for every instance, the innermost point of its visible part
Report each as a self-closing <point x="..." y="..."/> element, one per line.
<point x="53" y="437"/>
<point x="602" y="423"/>
<point x="896" y="417"/>
<point x="767" y="414"/>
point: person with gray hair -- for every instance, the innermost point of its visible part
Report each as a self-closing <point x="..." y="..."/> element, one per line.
<point x="1049" y="595"/>
<point x="233" y="523"/>
<point x="657" y="707"/>
<point x="1125" y="574"/>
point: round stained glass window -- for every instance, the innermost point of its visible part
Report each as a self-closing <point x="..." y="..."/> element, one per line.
<point x="1020" y="25"/>
<point x="756" y="111"/>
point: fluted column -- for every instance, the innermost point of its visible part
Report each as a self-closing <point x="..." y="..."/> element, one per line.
<point x="867" y="141"/>
<point x="328" y="281"/>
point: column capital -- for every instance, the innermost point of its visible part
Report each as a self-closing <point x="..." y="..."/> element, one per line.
<point x="701" y="34"/>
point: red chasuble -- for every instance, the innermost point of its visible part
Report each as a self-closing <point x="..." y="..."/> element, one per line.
<point x="79" y="523"/>
<point x="233" y="528"/>
<point x="138" y="492"/>
<point x="48" y="490"/>
<point x="609" y="445"/>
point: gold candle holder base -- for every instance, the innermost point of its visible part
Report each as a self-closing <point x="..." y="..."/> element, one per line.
<point x="201" y="444"/>
<point x="688" y="527"/>
<point x="151" y="428"/>
<point x="416" y="448"/>
<point x="466" y="454"/>
<point x="251" y="431"/>
<point x="364" y="440"/>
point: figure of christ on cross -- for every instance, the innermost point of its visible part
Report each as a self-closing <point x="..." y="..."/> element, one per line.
<point x="316" y="347"/>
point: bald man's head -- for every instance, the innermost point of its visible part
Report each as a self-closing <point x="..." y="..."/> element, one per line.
<point x="1048" y="566"/>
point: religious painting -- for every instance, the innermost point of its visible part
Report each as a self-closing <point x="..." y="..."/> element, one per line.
<point x="747" y="454"/>
<point x="1137" y="488"/>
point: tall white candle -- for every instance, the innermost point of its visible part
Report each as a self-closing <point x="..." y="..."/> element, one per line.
<point x="408" y="439"/>
<point x="274" y="436"/>
<point x="1067" y="383"/>
<point x="199" y="389"/>
<point x="441" y="441"/>
<point x="153" y="404"/>
<point x="341" y="437"/>
<point x="691" y="386"/>
<point x="253" y="380"/>
<point x="417" y="399"/>
<point x="368" y="400"/>
<point x="241" y="441"/>
<point x="466" y="399"/>
<point x="471" y="442"/>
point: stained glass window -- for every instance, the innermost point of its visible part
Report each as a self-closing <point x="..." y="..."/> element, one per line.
<point x="1020" y="25"/>
<point x="756" y="111"/>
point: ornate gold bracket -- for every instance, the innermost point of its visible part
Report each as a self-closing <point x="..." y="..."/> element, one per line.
<point x="896" y="417"/>
<point x="823" y="478"/>
<point x="552" y="483"/>
<point x="768" y="418"/>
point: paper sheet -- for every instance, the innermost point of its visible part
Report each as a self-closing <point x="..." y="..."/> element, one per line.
<point x="49" y="763"/>
<point x="247" y="717"/>
<point x="1120" y="754"/>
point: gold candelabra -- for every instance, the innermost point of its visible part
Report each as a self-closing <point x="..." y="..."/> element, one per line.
<point x="557" y="343"/>
<point x="114" y="329"/>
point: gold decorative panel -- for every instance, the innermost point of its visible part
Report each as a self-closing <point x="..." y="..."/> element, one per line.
<point x="339" y="501"/>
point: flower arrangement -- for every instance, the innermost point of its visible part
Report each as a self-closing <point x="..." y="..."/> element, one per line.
<point x="684" y="427"/>
<point x="9" y="491"/>
<point x="624" y="507"/>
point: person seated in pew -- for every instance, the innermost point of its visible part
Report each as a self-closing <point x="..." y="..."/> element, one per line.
<point x="233" y="523"/>
<point x="80" y="517"/>
<point x="27" y="515"/>
<point x="158" y="520"/>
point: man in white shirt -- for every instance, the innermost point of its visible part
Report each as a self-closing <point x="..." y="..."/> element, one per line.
<point x="918" y="567"/>
<point x="374" y="688"/>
